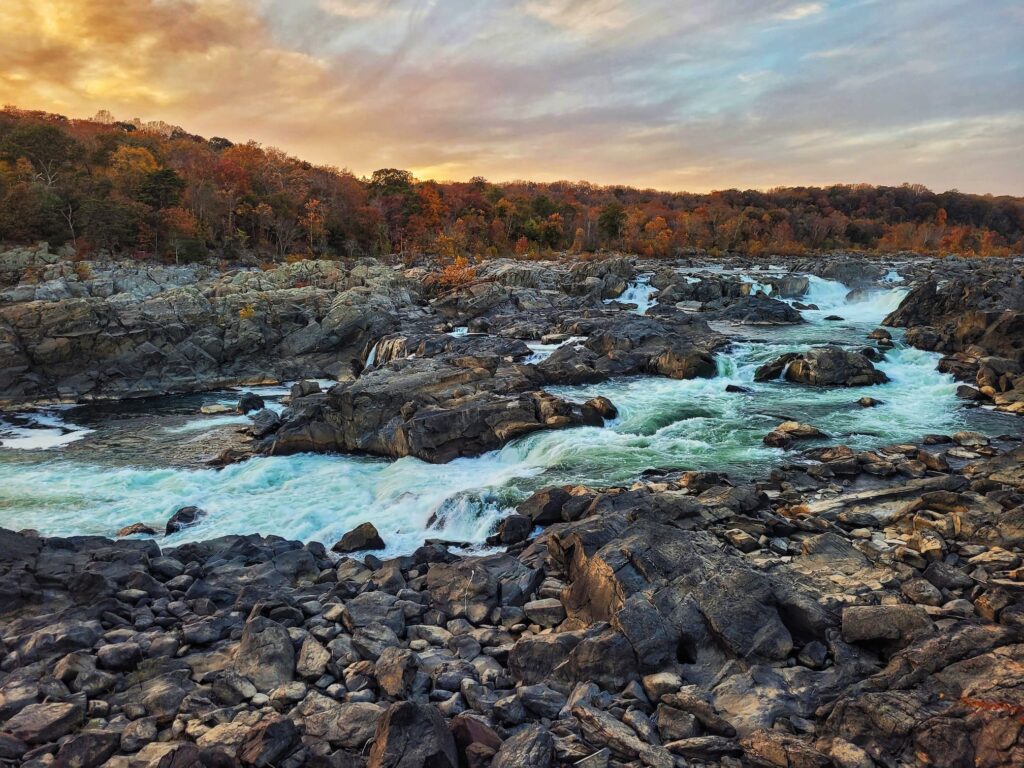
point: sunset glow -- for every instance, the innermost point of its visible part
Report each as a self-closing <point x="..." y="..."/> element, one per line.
<point x="655" y="93"/>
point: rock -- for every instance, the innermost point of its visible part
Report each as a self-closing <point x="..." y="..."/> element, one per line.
<point x="433" y="408"/>
<point x="868" y="402"/>
<point x="354" y="724"/>
<point x="304" y="388"/>
<point x="826" y="366"/>
<point x="119" y="657"/>
<point x="313" y="659"/>
<point x="269" y="743"/>
<point x="547" y="612"/>
<point x="215" y="409"/>
<point x="788" y="431"/>
<point x="395" y="671"/>
<point x="513" y="529"/>
<point x="545" y="506"/>
<point x="411" y="735"/>
<point x="185" y="517"/>
<point x="604" y="407"/>
<point x="601" y="728"/>
<point x="264" y="422"/>
<point x="758" y="310"/>
<point x="921" y="592"/>
<point x="530" y="747"/>
<point x="87" y="749"/>
<point x="774" y="370"/>
<point x="265" y="655"/>
<point x="135" y="529"/>
<point x="883" y="622"/>
<point x="250" y="401"/>
<point x="362" y="537"/>
<point x="45" y="723"/>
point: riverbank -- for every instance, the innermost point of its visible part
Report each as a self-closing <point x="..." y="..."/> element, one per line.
<point x="680" y="620"/>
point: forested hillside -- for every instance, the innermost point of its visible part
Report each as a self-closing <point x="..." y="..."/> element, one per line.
<point x="157" y="191"/>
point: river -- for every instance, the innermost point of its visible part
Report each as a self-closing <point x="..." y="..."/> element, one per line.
<point x="92" y="470"/>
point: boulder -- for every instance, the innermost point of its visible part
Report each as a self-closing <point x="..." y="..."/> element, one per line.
<point x="250" y="401"/>
<point x="412" y="735"/>
<point x="362" y="537"/>
<point x="184" y="518"/>
<point x="45" y="723"/>
<point x="530" y="747"/>
<point x="265" y="655"/>
<point x="833" y="366"/>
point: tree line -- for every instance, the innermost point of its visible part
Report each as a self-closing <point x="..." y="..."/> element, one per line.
<point x="156" y="191"/>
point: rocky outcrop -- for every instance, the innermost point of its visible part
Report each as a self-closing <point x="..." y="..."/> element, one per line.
<point x="429" y="408"/>
<point x="183" y="339"/>
<point x="823" y="367"/>
<point x="758" y="310"/>
<point x="976" y="316"/>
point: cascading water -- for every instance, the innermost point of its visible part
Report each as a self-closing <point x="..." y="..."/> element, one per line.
<point x="639" y="292"/>
<point x="661" y="423"/>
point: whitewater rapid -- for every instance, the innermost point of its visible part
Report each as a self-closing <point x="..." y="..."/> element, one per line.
<point x="662" y="423"/>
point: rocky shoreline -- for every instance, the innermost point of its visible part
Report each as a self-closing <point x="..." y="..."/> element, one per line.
<point x="849" y="610"/>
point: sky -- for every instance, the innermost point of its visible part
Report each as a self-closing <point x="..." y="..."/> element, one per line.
<point x="668" y="94"/>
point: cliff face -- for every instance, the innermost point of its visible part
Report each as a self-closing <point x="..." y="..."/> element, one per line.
<point x="91" y="331"/>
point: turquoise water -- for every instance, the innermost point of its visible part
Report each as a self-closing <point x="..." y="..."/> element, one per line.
<point x="68" y="489"/>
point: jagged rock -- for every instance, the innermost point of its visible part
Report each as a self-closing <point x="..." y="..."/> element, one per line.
<point x="883" y="622"/>
<point x="824" y="366"/>
<point x="45" y="723"/>
<point x="362" y="537"/>
<point x="265" y="655"/>
<point x="135" y="529"/>
<point x="530" y="747"/>
<point x="410" y="735"/>
<point x="429" y="408"/>
<point x="184" y="518"/>
<point x="269" y="742"/>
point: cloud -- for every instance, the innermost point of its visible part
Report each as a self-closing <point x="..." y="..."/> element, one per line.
<point x="801" y="11"/>
<point x="646" y="92"/>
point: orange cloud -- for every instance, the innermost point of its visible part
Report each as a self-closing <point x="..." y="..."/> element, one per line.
<point x="643" y="92"/>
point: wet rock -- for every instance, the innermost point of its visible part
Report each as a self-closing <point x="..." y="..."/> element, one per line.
<point x="264" y="422"/>
<point x="135" y="529"/>
<point x="773" y="370"/>
<point x="184" y="518"/>
<point x="788" y="431"/>
<point x="513" y="529"/>
<point x="604" y="407"/>
<point x="832" y="366"/>
<point x="758" y="310"/>
<point x="434" y="409"/>
<point x="362" y="537"/>
<point x="250" y="401"/>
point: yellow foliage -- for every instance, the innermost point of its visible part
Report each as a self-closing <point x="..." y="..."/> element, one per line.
<point x="247" y="312"/>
